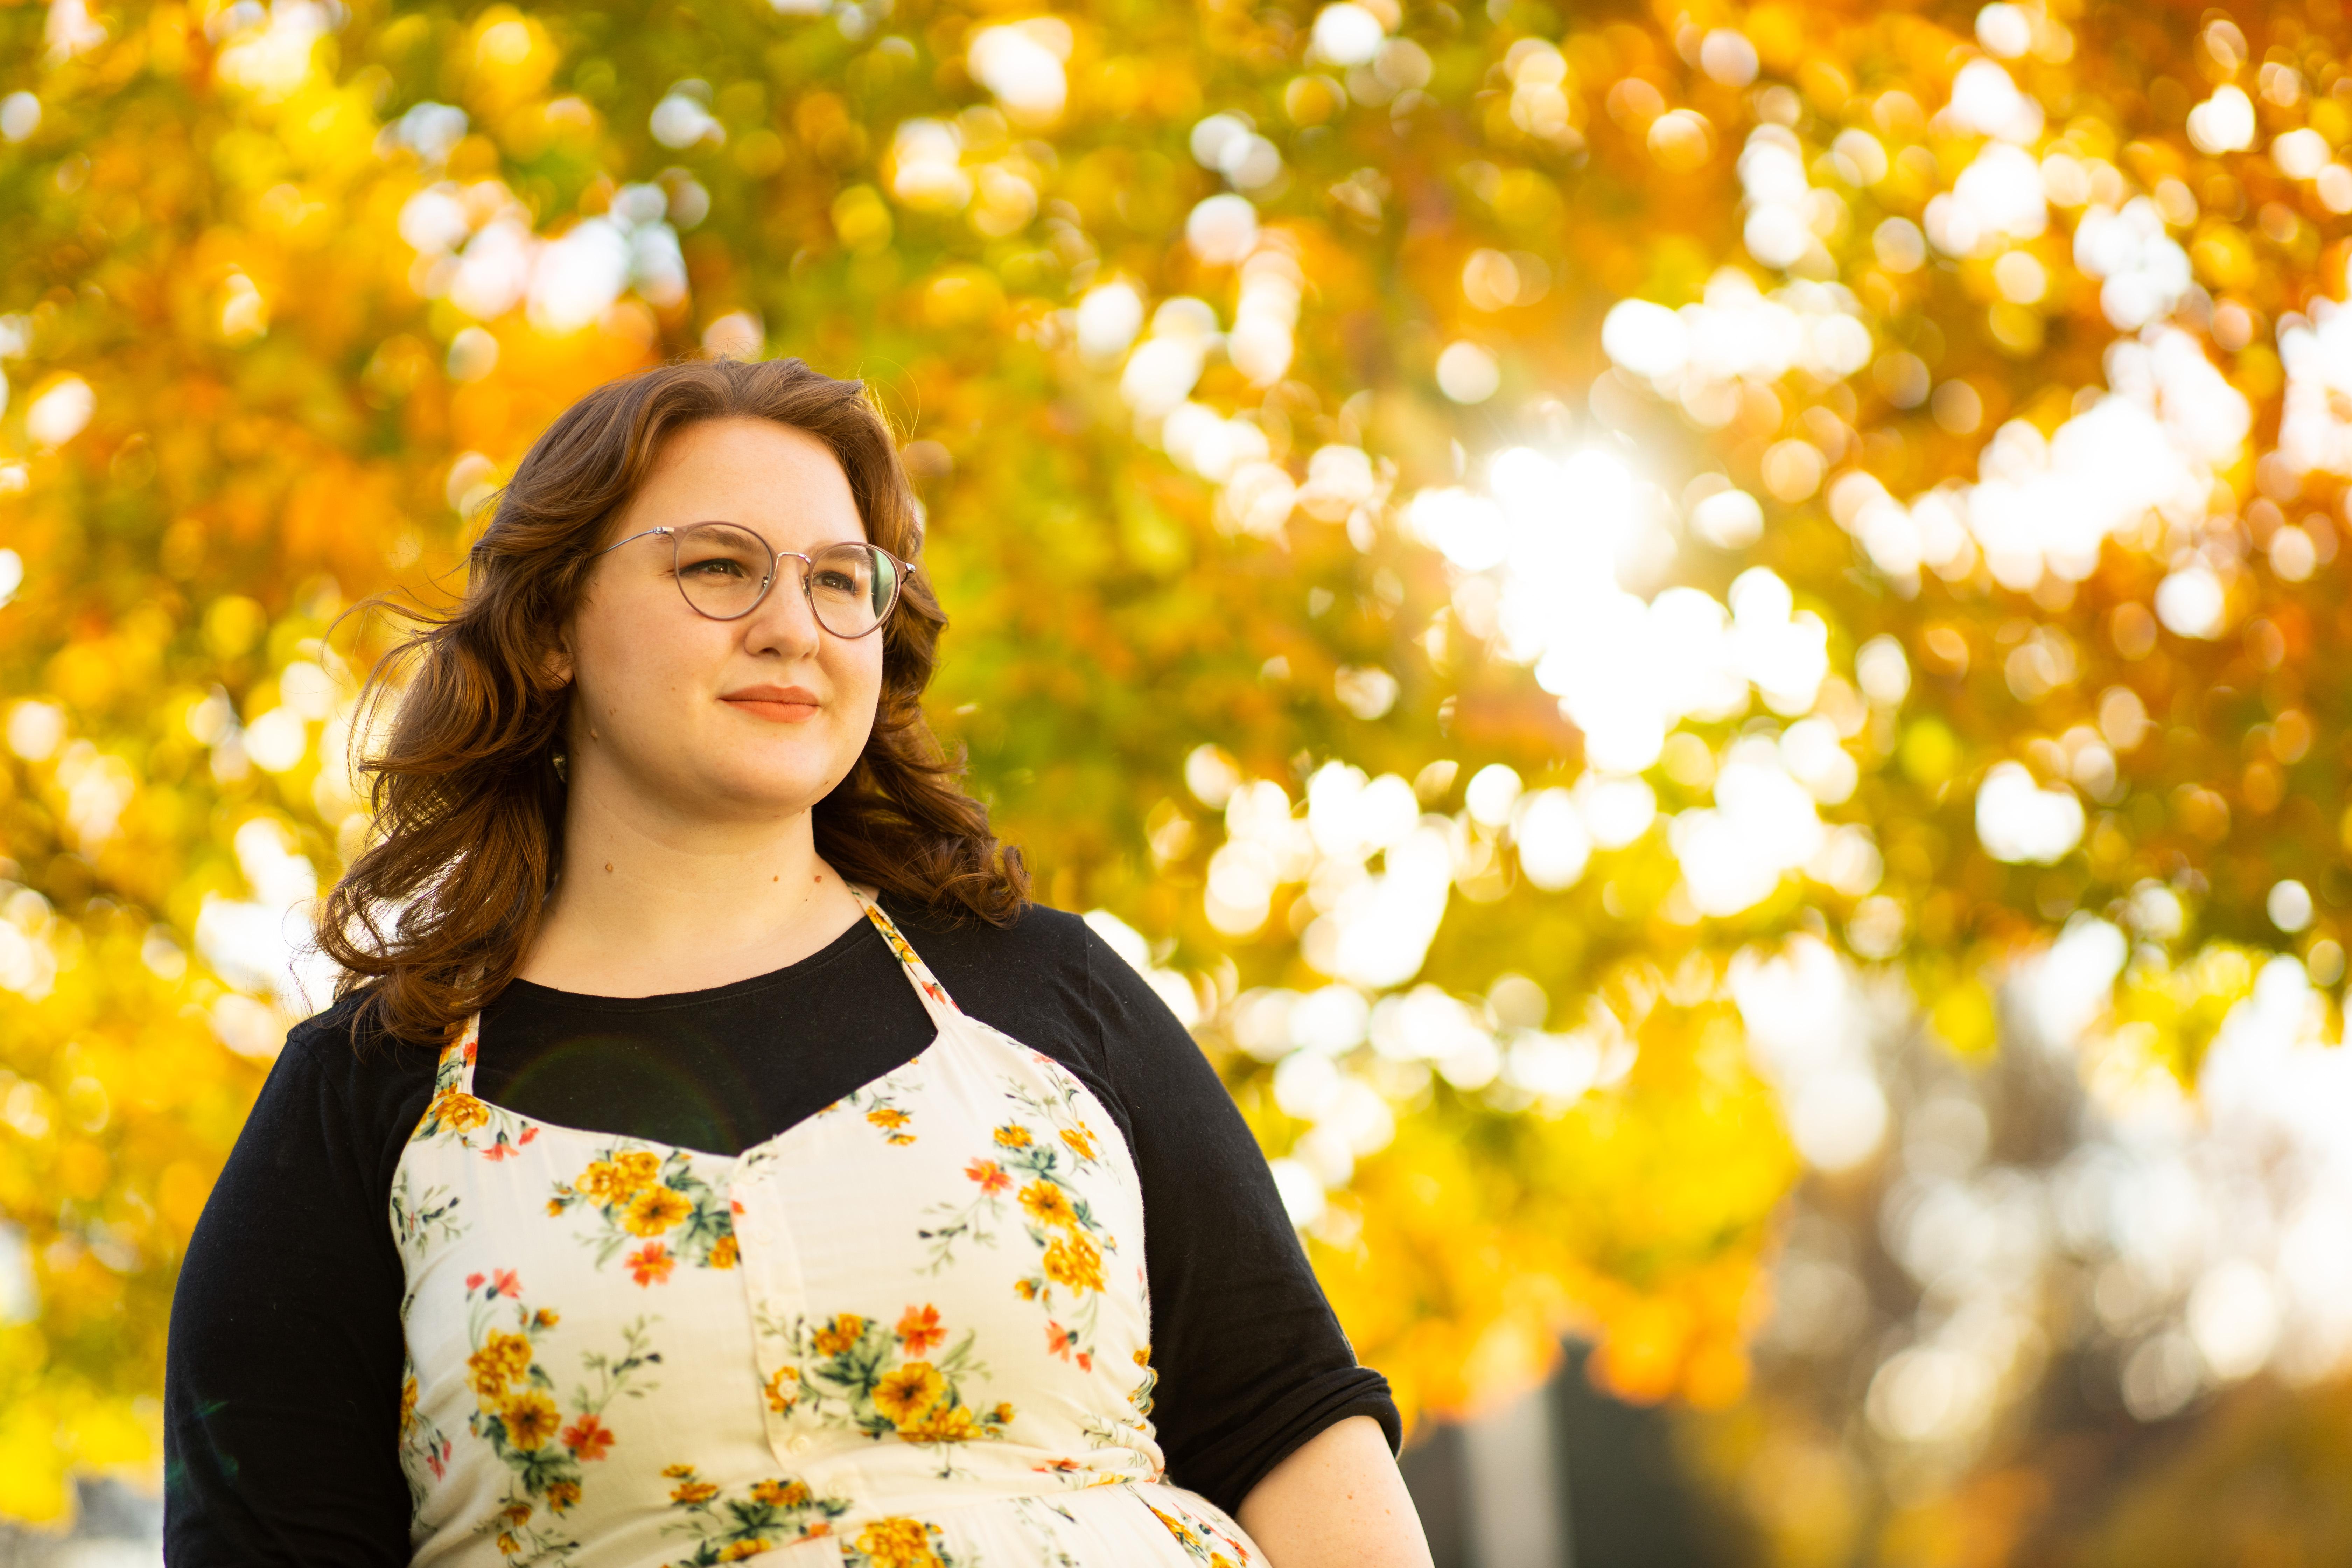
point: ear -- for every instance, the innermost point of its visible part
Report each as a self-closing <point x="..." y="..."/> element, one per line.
<point x="555" y="665"/>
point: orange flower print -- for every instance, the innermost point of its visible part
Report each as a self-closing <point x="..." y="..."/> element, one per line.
<point x="588" y="1438"/>
<point x="1012" y="1135"/>
<point x="989" y="1176"/>
<point x="725" y="1252"/>
<point x="920" y="1330"/>
<point x="779" y="1493"/>
<point x="545" y="1317"/>
<point x="1058" y="1341"/>
<point x="1048" y="1204"/>
<point x="1081" y="1141"/>
<point x="651" y="1264"/>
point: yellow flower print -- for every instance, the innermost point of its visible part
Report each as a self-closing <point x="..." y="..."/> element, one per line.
<point x="545" y="1317"/>
<point x="693" y="1492"/>
<point x="1026" y="1289"/>
<point x="1075" y="1262"/>
<point x="676" y="1472"/>
<point x="508" y="1544"/>
<point x="945" y="1423"/>
<point x="779" y="1493"/>
<point x="554" y="1207"/>
<point x="600" y="1183"/>
<point x="724" y="1252"/>
<point x="502" y="1359"/>
<point x="897" y="1543"/>
<point x="906" y="1392"/>
<point x="890" y="1118"/>
<point x="407" y="1404"/>
<point x="1049" y="1205"/>
<point x="1012" y="1135"/>
<point x="462" y="1111"/>
<point x="1081" y="1141"/>
<point x="530" y="1419"/>
<point x="738" y="1551"/>
<point x="1176" y="1527"/>
<point x="561" y="1495"/>
<point x="637" y="1168"/>
<point x="1004" y="1412"/>
<point x="655" y="1210"/>
<point x="842" y="1334"/>
<point x="781" y="1399"/>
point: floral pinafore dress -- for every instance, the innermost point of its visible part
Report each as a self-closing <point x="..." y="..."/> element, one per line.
<point x="911" y="1331"/>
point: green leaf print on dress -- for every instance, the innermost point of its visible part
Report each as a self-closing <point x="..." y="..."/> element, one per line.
<point x="766" y="1515"/>
<point x="1201" y="1542"/>
<point x="423" y="1450"/>
<point x="424" y="1221"/>
<point x="882" y="1104"/>
<point x="857" y="1372"/>
<point x="519" y="1417"/>
<point x="642" y="1197"/>
<point x="1059" y="1220"/>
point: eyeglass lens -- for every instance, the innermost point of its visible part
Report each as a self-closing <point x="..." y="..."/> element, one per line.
<point x="723" y="570"/>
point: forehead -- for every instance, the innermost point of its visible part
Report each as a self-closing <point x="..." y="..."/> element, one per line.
<point x="779" y="482"/>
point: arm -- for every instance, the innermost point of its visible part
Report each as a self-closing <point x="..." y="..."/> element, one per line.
<point x="1337" y="1501"/>
<point x="281" y="1386"/>
<point x="1256" y="1376"/>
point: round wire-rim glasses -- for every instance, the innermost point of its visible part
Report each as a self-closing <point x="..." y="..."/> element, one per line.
<point x="724" y="572"/>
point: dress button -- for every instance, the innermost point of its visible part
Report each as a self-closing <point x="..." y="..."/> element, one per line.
<point x="801" y="1443"/>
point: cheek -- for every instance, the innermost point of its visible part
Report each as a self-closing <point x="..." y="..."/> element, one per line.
<point x="632" y="658"/>
<point x="857" y="672"/>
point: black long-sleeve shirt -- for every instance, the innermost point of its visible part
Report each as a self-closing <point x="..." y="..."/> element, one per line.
<point x="282" y="1388"/>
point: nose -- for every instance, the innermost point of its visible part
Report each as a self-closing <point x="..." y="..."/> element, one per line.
<point x="785" y="621"/>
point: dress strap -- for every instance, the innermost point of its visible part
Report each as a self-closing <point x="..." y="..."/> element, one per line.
<point x="454" y="1074"/>
<point x="935" y="999"/>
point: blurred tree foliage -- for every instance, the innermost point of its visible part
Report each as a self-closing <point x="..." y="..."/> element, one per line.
<point x="290" y="289"/>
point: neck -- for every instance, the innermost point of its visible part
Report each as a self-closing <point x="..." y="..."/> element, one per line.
<point x="645" y="907"/>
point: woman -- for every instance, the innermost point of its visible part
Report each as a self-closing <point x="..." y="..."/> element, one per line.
<point x="773" y="1178"/>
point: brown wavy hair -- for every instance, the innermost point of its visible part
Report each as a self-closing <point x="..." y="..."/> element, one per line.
<point x="467" y="791"/>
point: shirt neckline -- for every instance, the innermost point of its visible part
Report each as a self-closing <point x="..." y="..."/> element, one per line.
<point x="832" y="952"/>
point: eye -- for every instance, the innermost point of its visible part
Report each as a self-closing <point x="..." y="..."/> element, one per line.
<point x="836" y="582"/>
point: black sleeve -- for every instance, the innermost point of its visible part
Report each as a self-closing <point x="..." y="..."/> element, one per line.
<point x="1251" y="1360"/>
<point x="281" y="1386"/>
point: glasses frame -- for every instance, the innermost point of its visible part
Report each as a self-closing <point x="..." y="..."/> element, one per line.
<point x="776" y="559"/>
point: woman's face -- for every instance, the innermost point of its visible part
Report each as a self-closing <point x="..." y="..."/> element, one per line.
<point x="746" y="719"/>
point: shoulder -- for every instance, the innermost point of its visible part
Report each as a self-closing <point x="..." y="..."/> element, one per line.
<point x="358" y="1085"/>
<point x="339" y="1045"/>
<point x="1038" y="936"/>
<point x="1043" y="959"/>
